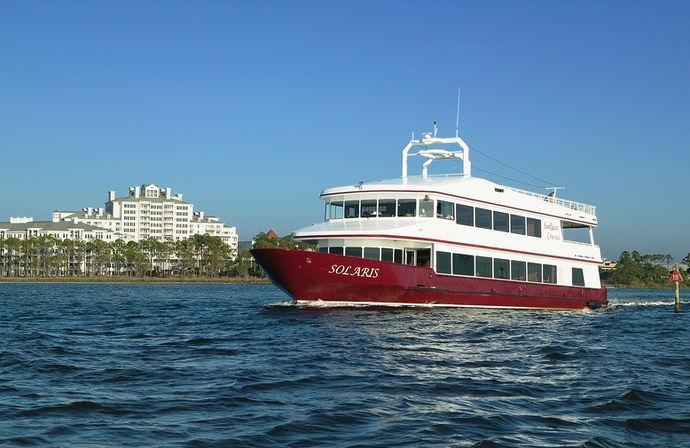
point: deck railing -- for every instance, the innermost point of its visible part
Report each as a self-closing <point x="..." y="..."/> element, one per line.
<point x="572" y="205"/>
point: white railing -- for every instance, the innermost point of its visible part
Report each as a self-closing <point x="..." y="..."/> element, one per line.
<point x="572" y="205"/>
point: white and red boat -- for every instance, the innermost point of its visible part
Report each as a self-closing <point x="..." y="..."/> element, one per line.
<point x="451" y="240"/>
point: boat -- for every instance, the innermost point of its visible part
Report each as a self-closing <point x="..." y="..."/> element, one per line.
<point x="451" y="240"/>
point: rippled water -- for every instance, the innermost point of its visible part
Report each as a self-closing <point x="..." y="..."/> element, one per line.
<point x="222" y="365"/>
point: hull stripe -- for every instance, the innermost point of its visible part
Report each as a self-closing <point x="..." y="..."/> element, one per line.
<point x="487" y="293"/>
<point x="434" y="240"/>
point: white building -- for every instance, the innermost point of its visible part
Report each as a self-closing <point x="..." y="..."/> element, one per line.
<point x="24" y="228"/>
<point x="150" y="212"/>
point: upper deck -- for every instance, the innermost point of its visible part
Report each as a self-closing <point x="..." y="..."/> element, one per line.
<point x="462" y="185"/>
<point x="470" y="190"/>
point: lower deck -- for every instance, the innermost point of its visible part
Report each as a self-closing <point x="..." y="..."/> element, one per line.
<point x="319" y="276"/>
<point x="454" y="261"/>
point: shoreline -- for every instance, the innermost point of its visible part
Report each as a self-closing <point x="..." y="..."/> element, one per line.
<point x="138" y="280"/>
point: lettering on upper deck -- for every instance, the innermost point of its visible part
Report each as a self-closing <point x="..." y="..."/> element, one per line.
<point x="341" y="269"/>
<point x="552" y="231"/>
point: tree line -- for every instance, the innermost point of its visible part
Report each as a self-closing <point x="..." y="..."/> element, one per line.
<point x="644" y="271"/>
<point x="200" y="256"/>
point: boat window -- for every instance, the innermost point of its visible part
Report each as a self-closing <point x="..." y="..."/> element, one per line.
<point x="444" y="210"/>
<point x="387" y="254"/>
<point x="352" y="209"/>
<point x="501" y="268"/>
<point x="463" y="264"/>
<point x="323" y="249"/>
<point x="576" y="232"/>
<point x="372" y="253"/>
<point x="464" y="214"/>
<point x="533" y="272"/>
<point x="424" y="258"/>
<point x="519" y="271"/>
<point x="501" y="221"/>
<point x="335" y="210"/>
<point x="517" y="224"/>
<point x="353" y="252"/>
<point x="426" y="208"/>
<point x="387" y="207"/>
<point x="578" y="277"/>
<point x="369" y="208"/>
<point x="398" y="256"/>
<point x="482" y="218"/>
<point x="407" y="207"/>
<point x="335" y="250"/>
<point x="534" y="227"/>
<point x="549" y="273"/>
<point x="409" y="257"/>
<point x="443" y="262"/>
<point x="483" y="267"/>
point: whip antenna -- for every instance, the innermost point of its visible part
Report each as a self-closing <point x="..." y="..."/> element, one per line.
<point x="457" y="116"/>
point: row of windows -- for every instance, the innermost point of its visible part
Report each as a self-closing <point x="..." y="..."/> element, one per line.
<point x="462" y="264"/>
<point x="370" y="253"/>
<point x="461" y="214"/>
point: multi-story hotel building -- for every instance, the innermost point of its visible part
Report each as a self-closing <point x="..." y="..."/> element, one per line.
<point x="147" y="212"/>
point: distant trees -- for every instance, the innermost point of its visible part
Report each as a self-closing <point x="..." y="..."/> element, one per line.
<point x="634" y="269"/>
<point x="202" y="256"/>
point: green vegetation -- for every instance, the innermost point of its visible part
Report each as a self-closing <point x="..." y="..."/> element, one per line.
<point x="642" y="271"/>
<point x="201" y="257"/>
<point x="262" y="241"/>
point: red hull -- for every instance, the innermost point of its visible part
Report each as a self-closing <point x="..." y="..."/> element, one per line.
<point x="312" y="276"/>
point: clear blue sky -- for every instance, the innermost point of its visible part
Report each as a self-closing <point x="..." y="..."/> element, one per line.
<point x="251" y="108"/>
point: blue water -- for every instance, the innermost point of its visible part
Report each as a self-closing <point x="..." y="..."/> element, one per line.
<point x="226" y="365"/>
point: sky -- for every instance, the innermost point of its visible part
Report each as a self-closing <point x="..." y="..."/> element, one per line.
<point x="251" y="108"/>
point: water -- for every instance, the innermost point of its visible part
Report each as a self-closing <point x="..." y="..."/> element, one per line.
<point x="227" y="365"/>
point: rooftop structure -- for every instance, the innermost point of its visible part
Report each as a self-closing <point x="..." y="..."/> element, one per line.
<point x="148" y="211"/>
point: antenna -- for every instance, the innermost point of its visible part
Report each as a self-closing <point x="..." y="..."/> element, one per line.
<point x="435" y="129"/>
<point x="457" y="115"/>
<point x="553" y="193"/>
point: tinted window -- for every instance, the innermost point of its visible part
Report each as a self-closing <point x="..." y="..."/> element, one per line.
<point x="336" y="210"/>
<point x="443" y="262"/>
<point x="387" y="255"/>
<point x="372" y="253"/>
<point x="369" y="208"/>
<point x="483" y="267"/>
<point x="335" y="250"/>
<point x="501" y="268"/>
<point x="352" y="209"/>
<point x="445" y="210"/>
<point x="501" y="221"/>
<point x="549" y="273"/>
<point x="406" y="207"/>
<point x="519" y="270"/>
<point x="398" y="256"/>
<point x="323" y="249"/>
<point x="482" y="218"/>
<point x="463" y="264"/>
<point x="517" y="224"/>
<point x="533" y="272"/>
<point x="387" y="207"/>
<point x="578" y="277"/>
<point x="534" y="227"/>
<point x="353" y="252"/>
<point x="464" y="215"/>
<point x="426" y="208"/>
